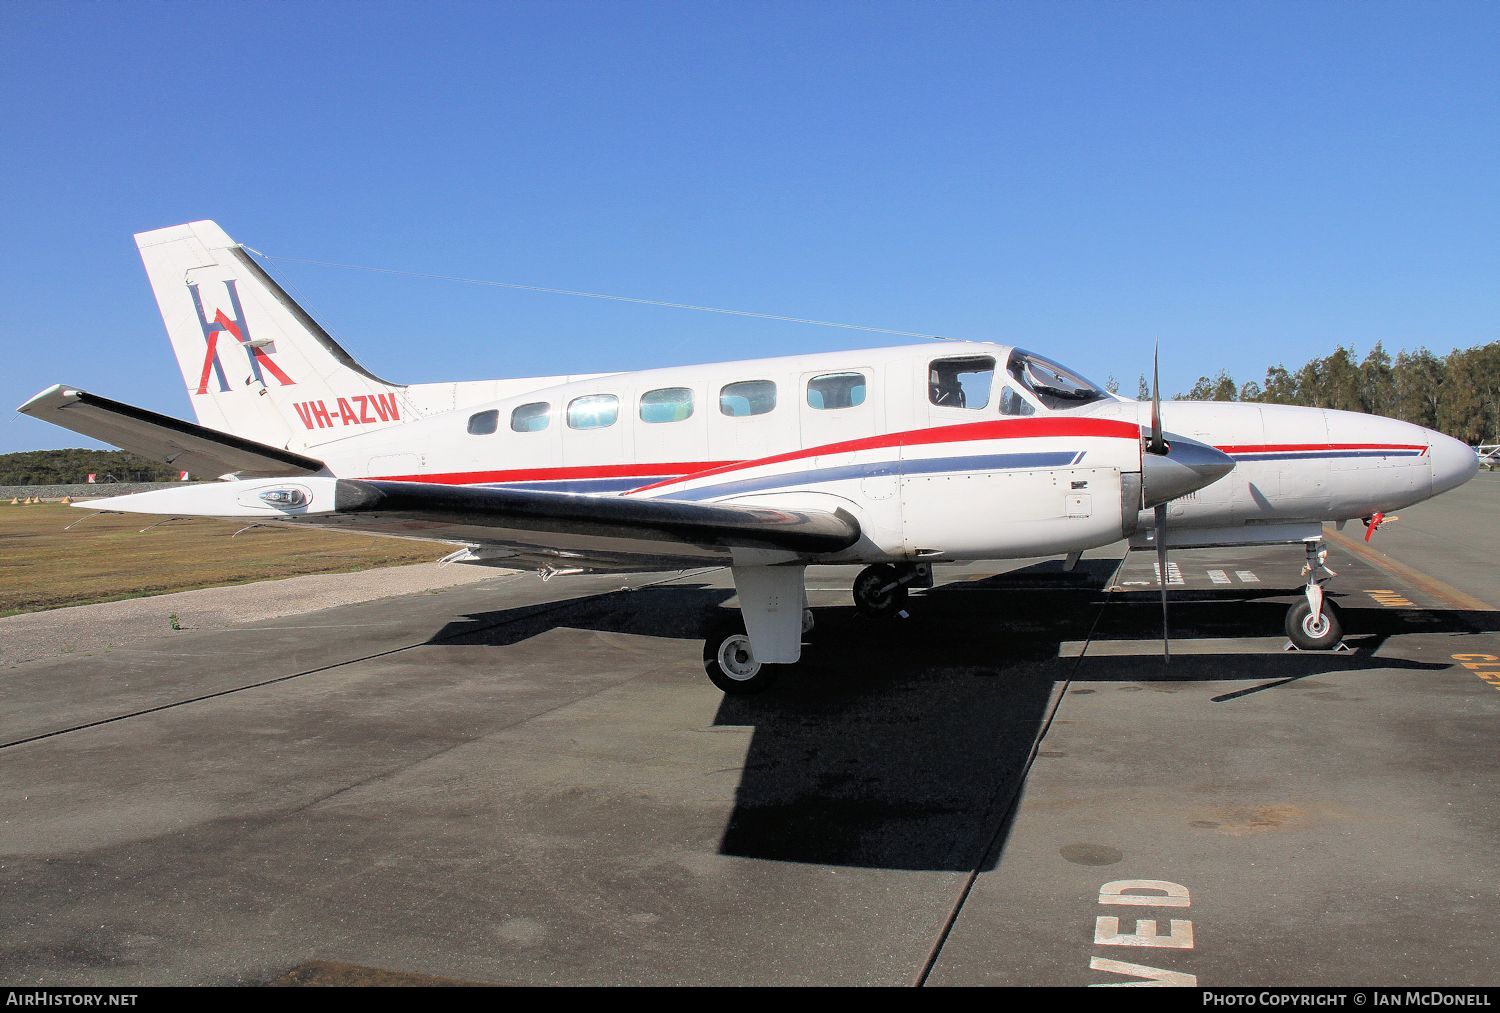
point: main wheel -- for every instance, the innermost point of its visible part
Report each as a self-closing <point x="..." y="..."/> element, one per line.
<point x="730" y="663"/>
<point x="878" y="592"/>
<point x="1321" y="632"/>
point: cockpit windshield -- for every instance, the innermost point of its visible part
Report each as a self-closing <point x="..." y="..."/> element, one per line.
<point x="1054" y="385"/>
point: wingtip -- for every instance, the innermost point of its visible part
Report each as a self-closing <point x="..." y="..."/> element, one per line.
<point x="56" y="394"/>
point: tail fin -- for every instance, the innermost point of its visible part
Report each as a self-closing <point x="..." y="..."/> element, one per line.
<point x="255" y="363"/>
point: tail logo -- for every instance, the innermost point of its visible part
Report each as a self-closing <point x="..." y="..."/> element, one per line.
<point x="260" y="359"/>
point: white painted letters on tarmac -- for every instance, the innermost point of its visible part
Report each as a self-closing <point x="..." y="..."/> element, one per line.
<point x="1107" y="932"/>
<point x="1179" y="937"/>
<point x="1134" y="891"/>
<point x="1149" y="975"/>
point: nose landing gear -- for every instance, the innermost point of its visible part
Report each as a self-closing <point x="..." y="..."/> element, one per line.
<point x="880" y="590"/>
<point x="1313" y="623"/>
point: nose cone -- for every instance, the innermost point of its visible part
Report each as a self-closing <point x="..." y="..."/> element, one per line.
<point x="1186" y="467"/>
<point x="1453" y="462"/>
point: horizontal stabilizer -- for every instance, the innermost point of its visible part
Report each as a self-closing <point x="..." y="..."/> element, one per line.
<point x="183" y="445"/>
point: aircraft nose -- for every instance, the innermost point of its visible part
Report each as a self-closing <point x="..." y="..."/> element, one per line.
<point x="1453" y="461"/>
<point x="1186" y="467"/>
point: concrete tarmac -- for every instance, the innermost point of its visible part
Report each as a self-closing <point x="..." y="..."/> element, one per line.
<point x="519" y="782"/>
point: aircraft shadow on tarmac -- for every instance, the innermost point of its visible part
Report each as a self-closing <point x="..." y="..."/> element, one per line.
<point x="901" y="744"/>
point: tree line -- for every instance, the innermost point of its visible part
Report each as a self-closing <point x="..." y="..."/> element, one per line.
<point x="1457" y="394"/>
<point x="73" y="466"/>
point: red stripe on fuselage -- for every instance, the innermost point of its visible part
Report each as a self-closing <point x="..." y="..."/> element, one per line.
<point x="1277" y="448"/>
<point x="685" y="471"/>
<point x="1002" y="429"/>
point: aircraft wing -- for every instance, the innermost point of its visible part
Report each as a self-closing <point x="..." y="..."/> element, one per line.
<point x="515" y="527"/>
<point x="183" y="445"/>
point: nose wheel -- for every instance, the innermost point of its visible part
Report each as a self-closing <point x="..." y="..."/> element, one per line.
<point x="880" y="590"/>
<point x="1312" y="624"/>
<point x="1314" y="631"/>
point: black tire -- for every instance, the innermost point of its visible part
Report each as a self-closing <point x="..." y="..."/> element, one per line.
<point x="1310" y="635"/>
<point x="729" y="665"/>
<point x="869" y="600"/>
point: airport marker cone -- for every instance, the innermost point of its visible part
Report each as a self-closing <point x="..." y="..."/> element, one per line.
<point x="67" y="500"/>
<point x="14" y="501"/>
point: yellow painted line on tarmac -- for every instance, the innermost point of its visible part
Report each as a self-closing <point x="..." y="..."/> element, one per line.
<point x="1485" y="666"/>
<point x="1447" y="592"/>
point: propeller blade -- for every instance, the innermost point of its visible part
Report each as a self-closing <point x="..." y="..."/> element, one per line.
<point x="1161" y="565"/>
<point x="1158" y="444"/>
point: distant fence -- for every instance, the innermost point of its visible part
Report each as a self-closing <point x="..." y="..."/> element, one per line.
<point x="83" y="490"/>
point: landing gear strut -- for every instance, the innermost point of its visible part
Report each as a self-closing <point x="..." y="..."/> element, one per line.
<point x="1312" y="624"/>
<point x="880" y="590"/>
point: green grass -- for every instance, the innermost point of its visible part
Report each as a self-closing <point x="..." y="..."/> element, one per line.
<point x="108" y="558"/>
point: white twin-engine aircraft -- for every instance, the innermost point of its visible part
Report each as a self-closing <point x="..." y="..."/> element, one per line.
<point x="899" y="458"/>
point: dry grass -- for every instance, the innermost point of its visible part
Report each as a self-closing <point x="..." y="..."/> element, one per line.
<point x="108" y="557"/>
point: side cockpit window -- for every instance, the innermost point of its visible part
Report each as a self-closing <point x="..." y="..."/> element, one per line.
<point x="1013" y="402"/>
<point x="484" y="423"/>
<point x="961" y="382"/>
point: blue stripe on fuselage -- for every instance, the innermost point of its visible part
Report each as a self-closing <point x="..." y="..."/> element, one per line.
<point x="918" y="466"/>
<point x="1308" y="455"/>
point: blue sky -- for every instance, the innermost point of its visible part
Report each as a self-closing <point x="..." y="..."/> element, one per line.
<point x="1248" y="182"/>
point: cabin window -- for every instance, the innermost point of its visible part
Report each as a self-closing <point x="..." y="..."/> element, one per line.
<point x="531" y="418"/>
<point x="1012" y="402"/>
<point x="669" y="404"/>
<point x="961" y="382"/>
<point x="484" y="423"/>
<point x="836" y="390"/>
<point x="748" y="397"/>
<point x="593" y="411"/>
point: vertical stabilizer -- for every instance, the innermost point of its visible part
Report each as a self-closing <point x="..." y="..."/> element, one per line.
<point x="254" y="362"/>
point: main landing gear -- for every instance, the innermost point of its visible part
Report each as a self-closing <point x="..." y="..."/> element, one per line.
<point x="730" y="662"/>
<point x="745" y="652"/>
<point x="880" y="590"/>
<point x="1312" y="624"/>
